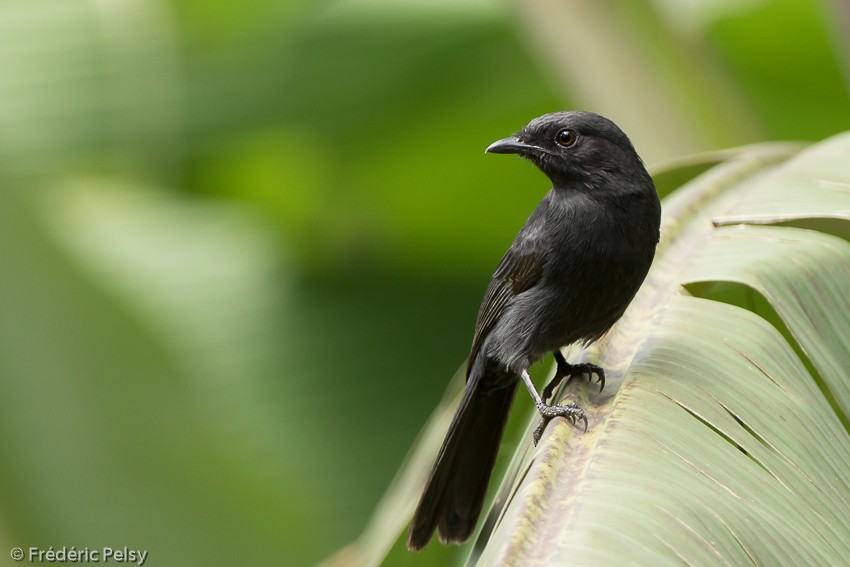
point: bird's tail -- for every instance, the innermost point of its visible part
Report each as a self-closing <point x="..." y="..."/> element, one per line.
<point x="454" y="493"/>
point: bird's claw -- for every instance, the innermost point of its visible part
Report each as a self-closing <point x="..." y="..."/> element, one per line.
<point x="571" y="371"/>
<point x="569" y="411"/>
<point x="586" y="368"/>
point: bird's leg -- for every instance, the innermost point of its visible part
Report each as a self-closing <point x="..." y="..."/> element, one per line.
<point x="570" y="411"/>
<point x="570" y="371"/>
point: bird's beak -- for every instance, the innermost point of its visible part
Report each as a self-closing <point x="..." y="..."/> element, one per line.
<point x="511" y="145"/>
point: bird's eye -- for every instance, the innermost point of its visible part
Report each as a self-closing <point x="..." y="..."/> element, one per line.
<point x="566" y="137"/>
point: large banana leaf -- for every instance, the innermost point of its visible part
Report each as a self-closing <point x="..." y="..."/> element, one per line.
<point x="722" y="434"/>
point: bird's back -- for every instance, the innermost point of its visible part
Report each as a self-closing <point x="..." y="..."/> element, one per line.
<point x="594" y="258"/>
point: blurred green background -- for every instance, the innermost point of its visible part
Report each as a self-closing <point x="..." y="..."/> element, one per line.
<point x="243" y="244"/>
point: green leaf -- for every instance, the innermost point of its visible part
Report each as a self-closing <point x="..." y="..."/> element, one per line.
<point x="721" y="436"/>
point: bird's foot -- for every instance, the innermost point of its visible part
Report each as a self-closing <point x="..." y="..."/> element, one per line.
<point x="570" y="371"/>
<point x="570" y="411"/>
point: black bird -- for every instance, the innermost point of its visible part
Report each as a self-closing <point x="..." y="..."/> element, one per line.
<point x="568" y="277"/>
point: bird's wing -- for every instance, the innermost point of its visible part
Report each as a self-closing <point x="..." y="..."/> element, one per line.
<point x="519" y="270"/>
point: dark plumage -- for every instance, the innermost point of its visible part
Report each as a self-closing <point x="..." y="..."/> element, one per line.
<point x="568" y="277"/>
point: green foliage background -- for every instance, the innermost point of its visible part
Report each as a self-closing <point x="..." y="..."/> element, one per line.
<point x="243" y="244"/>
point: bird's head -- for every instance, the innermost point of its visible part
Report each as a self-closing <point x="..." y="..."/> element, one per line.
<point x="575" y="149"/>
